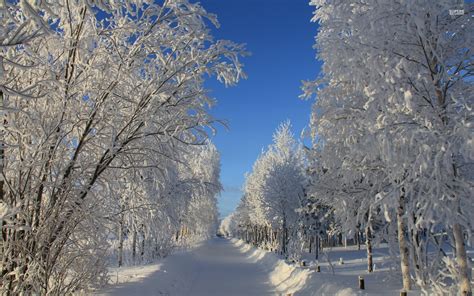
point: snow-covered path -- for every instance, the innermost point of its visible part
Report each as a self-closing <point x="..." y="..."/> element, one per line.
<point x="216" y="268"/>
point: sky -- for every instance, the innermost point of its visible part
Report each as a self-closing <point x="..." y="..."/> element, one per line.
<point x="280" y="37"/>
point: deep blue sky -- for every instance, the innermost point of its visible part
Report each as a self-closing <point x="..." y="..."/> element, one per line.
<point x="280" y="37"/>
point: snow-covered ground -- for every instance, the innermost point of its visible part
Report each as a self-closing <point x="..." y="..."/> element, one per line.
<point x="231" y="267"/>
<point x="217" y="267"/>
<point x="289" y="278"/>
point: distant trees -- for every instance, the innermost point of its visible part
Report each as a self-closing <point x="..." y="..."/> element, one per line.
<point x="103" y="107"/>
<point x="272" y="192"/>
<point x="160" y="209"/>
<point x="392" y="131"/>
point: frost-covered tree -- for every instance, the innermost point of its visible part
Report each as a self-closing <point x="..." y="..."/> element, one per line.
<point x="273" y="191"/>
<point x="229" y="227"/>
<point x="170" y="207"/>
<point x="395" y="97"/>
<point x="202" y="174"/>
<point x="87" y="88"/>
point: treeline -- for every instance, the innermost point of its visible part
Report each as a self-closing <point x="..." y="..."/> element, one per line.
<point x="104" y="151"/>
<point x="392" y="154"/>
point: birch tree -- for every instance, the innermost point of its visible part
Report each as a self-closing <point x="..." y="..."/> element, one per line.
<point x="409" y="65"/>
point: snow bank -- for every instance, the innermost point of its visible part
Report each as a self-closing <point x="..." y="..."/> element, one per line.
<point x="284" y="277"/>
<point x="290" y="278"/>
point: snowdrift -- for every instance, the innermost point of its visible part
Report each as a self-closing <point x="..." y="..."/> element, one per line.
<point x="289" y="278"/>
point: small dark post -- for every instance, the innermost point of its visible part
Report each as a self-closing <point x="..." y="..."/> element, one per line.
<point x="361" y="283"/>
<point x="403" y="293"/>
<point x="318" y="268"/>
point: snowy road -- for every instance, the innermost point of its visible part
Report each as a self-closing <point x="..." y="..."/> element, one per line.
<point x="216" y="268"/>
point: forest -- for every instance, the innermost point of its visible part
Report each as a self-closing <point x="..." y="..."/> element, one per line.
<point x="106" y="156"/>
<point x="392" y="156"/>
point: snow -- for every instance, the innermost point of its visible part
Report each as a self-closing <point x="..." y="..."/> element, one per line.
<point x="133" y="274"/>
<point x="218" y="267"/>
<point x="232" y="267"/>
<point x="289" y="278"/>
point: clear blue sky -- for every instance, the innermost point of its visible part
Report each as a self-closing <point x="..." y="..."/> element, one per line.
<point x="280" y="37"/>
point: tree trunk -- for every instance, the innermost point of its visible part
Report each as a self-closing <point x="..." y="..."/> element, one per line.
<point x="316" y="247"/>
<point x="310" y="245"/>
<point x="404" y="256"/>
<point x="284" y="235"/>
<point x="142" y="251"/>
<point x="368" y="242"/>
<point x="4" y="230"/>
<point x="461" y="258"/>
<point x="2" y="161"/>
<point x="120" y="246"/>
<point x="321" y="243"/>
<point x="419" y="249"/>
<point x="358" y="240"/>
<point x="134" y="246"/>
